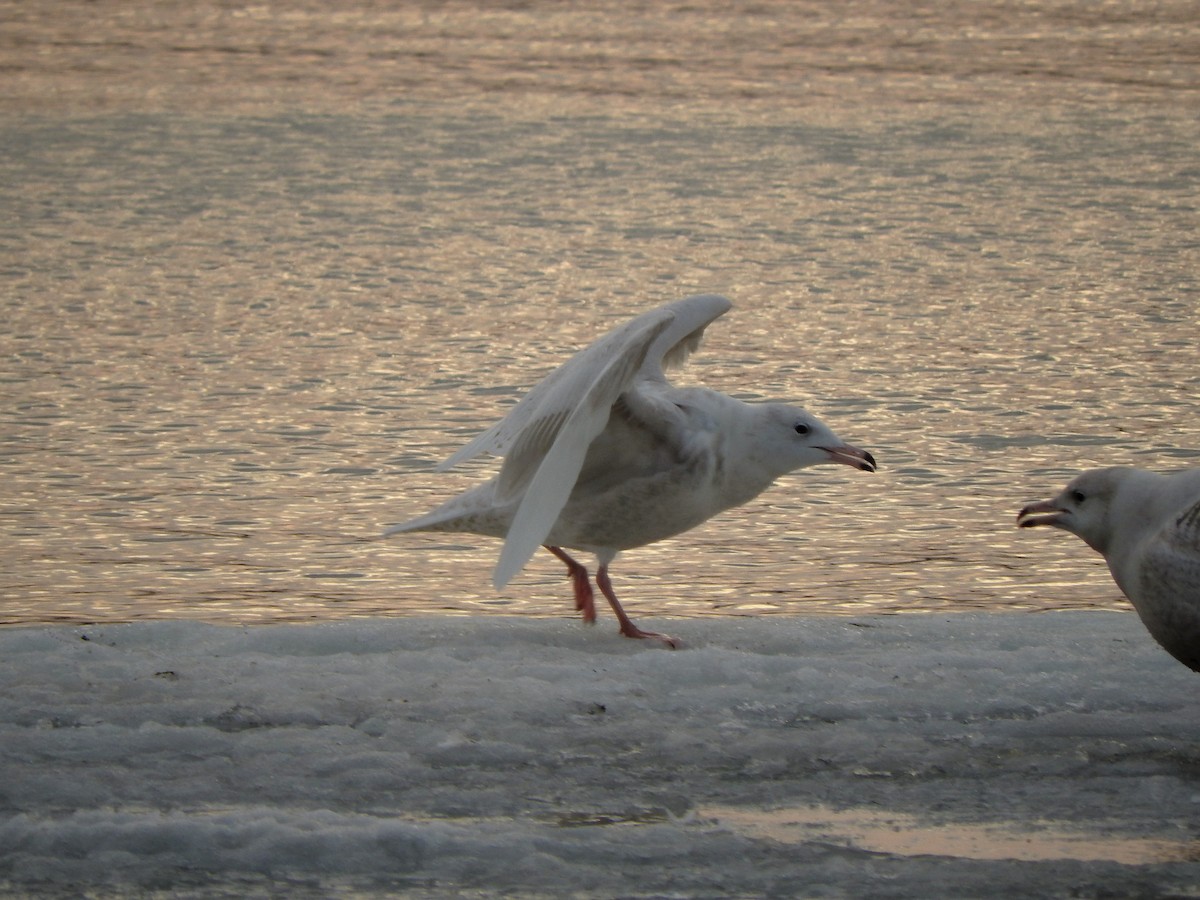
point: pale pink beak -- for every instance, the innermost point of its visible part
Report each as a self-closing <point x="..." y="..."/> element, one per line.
<point x="851" y="456"/>
<point x="1043" y="512"/>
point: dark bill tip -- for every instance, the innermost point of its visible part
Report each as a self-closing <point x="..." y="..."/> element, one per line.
<point x="852" y="456"/>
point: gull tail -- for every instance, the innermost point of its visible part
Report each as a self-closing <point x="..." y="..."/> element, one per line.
<point x="434" y="521"/>
<point x="473" y="511"/>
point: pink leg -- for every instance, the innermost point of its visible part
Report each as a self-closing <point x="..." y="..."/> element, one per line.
<point x="584" y="601"/>
<point x="627" y="627"/>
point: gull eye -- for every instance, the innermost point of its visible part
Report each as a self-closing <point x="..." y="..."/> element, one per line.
<point x="1078" y="496"/>
<point x="802" y="428"/>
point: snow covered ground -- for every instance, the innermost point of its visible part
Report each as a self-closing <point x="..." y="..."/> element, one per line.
<point x="983" y="755"/>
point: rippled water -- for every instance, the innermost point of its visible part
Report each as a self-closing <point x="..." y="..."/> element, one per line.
<point x="260" y="273"/>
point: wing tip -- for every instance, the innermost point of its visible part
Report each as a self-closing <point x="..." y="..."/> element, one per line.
<point x="507" y="568"/>
<point x="714" y="304"/>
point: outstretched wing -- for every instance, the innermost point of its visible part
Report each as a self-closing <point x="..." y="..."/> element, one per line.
<point x="548" y="403"/>
<point x="549" y="453"/>
<point x="545" y="438"/>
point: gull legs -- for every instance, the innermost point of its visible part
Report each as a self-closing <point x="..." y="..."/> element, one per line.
<point x="584" y="598"/>
<point x="585" y="602"/>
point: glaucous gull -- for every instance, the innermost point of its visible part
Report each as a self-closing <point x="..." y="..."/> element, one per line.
<point x="604" y="455"/>
<point x="1147" y="526"/>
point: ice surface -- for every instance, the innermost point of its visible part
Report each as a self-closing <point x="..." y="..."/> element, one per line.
<point x="982" y="755"/>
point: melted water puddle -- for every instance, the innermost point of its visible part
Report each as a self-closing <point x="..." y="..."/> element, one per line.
<point x="881" y="831"/>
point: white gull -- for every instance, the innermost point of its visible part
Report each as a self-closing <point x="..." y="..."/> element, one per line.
<point x="1147" y="526"/>
<point x="604" y="455"/>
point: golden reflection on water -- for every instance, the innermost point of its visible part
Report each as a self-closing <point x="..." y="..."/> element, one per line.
<point x="881" y="831"/>
<point x="251" y="302"/>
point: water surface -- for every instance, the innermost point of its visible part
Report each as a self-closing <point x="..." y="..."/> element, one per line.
<point x="262" y="271"/>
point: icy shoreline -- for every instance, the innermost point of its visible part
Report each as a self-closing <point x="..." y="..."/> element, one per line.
<point x="967" y="754"/>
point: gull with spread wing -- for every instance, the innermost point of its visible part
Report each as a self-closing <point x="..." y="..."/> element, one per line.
<point x="604" y="455"/>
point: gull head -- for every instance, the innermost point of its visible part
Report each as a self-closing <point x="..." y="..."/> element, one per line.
<point x="1083" y="507"/>
<point x="793" y="438"/>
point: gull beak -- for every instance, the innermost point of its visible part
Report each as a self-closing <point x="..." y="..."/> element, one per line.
<point x="1043" y="512"/>
<point x="851" y="456"/>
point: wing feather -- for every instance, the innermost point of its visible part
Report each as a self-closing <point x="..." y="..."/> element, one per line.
<point x="558" y="467"/>
<point x="1166" y="591"/>
<point x="546" y="405"/>
<point x="1187" y="528"/>
<point x="1170" y="564"/>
